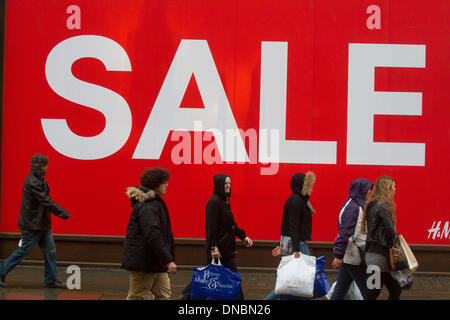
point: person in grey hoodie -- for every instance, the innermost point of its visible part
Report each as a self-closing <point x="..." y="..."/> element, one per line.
<point x="349" y="241"/>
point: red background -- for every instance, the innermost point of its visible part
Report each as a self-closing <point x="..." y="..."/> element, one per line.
<point x="318" y="35"/>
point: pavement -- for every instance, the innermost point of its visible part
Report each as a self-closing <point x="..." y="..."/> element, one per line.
<point x="26" y="283"/>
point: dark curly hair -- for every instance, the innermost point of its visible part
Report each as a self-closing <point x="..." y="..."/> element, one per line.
<point x="153" y="178"/>
<point x="37" y="162"/>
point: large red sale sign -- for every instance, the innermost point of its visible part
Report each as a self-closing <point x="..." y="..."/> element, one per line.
<point x="258" y="90"/>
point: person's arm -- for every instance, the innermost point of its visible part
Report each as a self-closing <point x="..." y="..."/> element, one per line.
<point x="347" y="226"/>
<point x="150" y="223"/>
<point x="295" y="212"/>
<point x="240" y="233"/>
<point x="37" y="189"/>
<point x="389" y="228"/>
<point x="212" y="226"/>
<point x="349" y="219"/>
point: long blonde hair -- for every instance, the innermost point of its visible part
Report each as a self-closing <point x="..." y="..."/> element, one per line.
<point x="382" y="191"/>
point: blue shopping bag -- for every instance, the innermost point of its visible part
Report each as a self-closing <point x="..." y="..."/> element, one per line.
<point x="321" y="283"/>
<point x="215" y="282"/>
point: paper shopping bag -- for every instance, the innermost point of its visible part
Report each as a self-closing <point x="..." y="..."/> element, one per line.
<point x="412" y="261"/>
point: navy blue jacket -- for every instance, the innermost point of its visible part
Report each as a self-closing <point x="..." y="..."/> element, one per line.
<point x="357" y="193"/>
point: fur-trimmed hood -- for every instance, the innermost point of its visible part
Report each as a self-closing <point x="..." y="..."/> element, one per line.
<point x="303" y="183"/>
<point x="140" y="194"/>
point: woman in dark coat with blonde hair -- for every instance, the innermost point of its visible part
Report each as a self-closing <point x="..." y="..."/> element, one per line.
<point x="379" y="222"/>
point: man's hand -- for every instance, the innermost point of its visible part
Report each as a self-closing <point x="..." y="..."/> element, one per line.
<point x="248" y="242"/>
<point x="171" y="267"/>
<point x="336" y="263"/>
<point x="64" y="215"/>
<point x="215" y="254"/>
<point x="276" y="251"/>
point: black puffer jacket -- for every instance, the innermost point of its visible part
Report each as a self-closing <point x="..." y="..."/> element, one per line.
<point x="148" y="243"/>
<point x="221" y="229"/>
<point x="37" y="205"/>
<point x="297" y="215"/>
<point x="380" y="228"/>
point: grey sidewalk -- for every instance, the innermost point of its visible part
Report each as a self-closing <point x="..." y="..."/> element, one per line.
<point x="26" y="283"/>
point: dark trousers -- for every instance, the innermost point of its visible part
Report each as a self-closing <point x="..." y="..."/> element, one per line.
<point x="228" y="263"/>
<point x="392" y="285"/>
<point x="346" y="275"/>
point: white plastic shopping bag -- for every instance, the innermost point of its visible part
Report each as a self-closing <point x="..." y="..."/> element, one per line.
<point x="330" y="293"/>
<point x="295" y="276"/>
<point x="353" y="292"/>
<point x="404" y="278"/>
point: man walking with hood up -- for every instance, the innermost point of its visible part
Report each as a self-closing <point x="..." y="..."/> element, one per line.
<point x="221" y="229"/>
<point x="35" y="223"/>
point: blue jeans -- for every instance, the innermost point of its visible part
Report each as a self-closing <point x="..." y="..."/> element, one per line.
<point x="303" y="249"/>
<point x="31" y="238"/>
<point x="346" y="275"/>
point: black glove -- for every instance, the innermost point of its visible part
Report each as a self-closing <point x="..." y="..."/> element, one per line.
<point x="64" y="215"/>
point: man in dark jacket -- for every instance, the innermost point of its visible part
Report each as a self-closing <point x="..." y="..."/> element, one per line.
<point x="221" y="229"/>
<point x="148" y="249"/>
<point x="35" y="223"/>
<point x="347" y="256"/>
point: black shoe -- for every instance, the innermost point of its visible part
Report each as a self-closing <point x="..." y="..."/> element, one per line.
<point x="57" y="285"/>
<point x="2" y="282"/>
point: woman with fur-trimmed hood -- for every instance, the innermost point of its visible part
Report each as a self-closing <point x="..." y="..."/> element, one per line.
<point x="296" y="225"/>
<point x="297" y="213"/>
<point x="148" y="248"/>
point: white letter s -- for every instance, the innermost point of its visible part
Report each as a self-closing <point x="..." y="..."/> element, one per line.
<point x="110" y="104"/>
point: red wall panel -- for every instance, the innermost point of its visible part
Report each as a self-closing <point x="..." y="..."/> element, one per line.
<point x="318" y="36"/>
